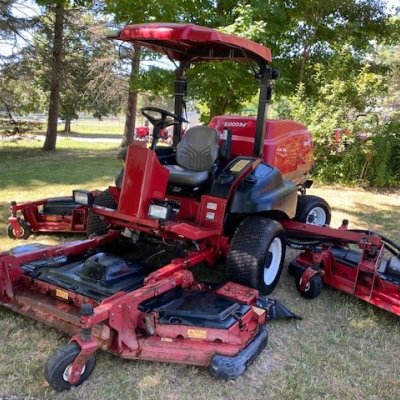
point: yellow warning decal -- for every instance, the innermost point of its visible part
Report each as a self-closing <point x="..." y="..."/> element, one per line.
<point x="240" y="165"/>
<point x="62" y="294"/>
<point x="258" y="311"/>
<point x="197" y="334"/>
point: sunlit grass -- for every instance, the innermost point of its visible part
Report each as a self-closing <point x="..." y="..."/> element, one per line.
<point x="94" y="127"/>
<point x="364" y="209"/>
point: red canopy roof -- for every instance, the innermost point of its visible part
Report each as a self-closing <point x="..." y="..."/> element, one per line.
<point x="193" y="42"/>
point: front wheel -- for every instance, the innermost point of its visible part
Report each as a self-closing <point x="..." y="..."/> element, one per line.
<point x="256" y="254"/>
<point x="58" y="367"/>
<point x="25" y="231"/>
<point x="313" y="210"/>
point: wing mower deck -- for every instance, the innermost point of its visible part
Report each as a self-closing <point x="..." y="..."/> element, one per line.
<point x="57" y="214"/>
<point x="360" y="263"/>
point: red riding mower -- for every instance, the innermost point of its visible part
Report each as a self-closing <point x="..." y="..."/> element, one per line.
<point x="130" y="288"/>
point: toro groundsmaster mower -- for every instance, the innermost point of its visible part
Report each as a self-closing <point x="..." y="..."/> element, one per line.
<point x="210" y="198"/>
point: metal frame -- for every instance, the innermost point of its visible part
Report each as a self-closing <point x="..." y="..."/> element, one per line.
<point x="117" y="324"/>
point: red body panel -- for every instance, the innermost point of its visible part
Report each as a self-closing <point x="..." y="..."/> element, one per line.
<point x="145" y="179"/>
<point x="287" y="145"/>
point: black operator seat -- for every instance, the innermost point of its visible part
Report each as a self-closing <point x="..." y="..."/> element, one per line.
<point x="196" y="154"/>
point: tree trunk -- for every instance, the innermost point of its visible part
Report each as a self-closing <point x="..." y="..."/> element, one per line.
<point x="67" y="125"/>
<point x="56" y="77"/>
<point x="130" y="120"/>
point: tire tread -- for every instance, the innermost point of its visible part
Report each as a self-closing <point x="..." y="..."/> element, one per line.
<point x="95" y="224"/>
<point x="247" y="250"/>
<point x="307" y="202"/>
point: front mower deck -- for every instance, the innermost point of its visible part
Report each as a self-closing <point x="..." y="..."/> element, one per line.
<point x="134" y="309"/>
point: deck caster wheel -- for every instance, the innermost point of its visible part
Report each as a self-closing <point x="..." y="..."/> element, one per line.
<point x="256" y="254"/>
<point x="58" y="367"/>
<point x="313" y="210"/>
<point x="25" y="231"/>
<point x="313" y="287"/>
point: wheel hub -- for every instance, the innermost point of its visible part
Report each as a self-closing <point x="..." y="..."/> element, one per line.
<point x="317" y="216"/>
<point x="67" y="372"/>
<point x="272" y="261"/>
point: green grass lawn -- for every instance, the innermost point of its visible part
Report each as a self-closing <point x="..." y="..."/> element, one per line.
<point x="342" y="349"/>
<point x="94" y="127"/>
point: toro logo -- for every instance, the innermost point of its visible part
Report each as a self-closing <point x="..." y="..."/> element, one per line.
<point x="235" y="124"/>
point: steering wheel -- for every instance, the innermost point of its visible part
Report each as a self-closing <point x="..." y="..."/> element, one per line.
<point x="162" y="122"/>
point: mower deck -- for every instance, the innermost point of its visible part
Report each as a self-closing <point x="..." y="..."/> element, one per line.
<point x="133" y="309"/>
<point x="371" y="272"/>
<point x="57" y="214"/>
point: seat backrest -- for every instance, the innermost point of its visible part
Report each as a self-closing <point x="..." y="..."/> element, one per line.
<point x="198" y="148"/>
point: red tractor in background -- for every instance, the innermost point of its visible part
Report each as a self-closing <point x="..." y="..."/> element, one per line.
<point x="212" y="197"/>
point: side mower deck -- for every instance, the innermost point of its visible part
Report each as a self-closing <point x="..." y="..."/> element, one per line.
<point x="361" y="263"/>
<point x="57" y="214"/>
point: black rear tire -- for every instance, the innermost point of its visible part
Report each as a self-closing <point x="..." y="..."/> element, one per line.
<point x="256" y="254"/>
<point x="313" y="288"/>
<point x="313" y="210"/>
<point x="26" y="231"/>
<point x="95" y="224"/>
<point x="56" y="369"/>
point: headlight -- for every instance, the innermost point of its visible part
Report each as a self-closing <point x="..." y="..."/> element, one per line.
<point x="158" y="212"/>
<point x="163" y="211"/>
<point x="83" y="197"/>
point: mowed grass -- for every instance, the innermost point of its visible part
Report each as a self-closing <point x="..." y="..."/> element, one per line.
<point x="342" y="349"/>
<point x="107" y="128"/>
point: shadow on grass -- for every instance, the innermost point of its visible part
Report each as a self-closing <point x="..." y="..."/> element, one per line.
<point x="385" y="220"/>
